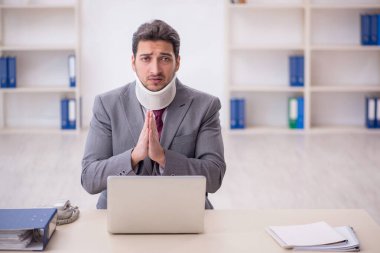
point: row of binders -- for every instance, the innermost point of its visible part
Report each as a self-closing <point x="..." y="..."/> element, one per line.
<point x="370" y="26"/>
<point x="8" y="72"/>
<point x="296" y="112"/>
<point x="296" y="70"/>
<point x="68" y="113"/>
<point x="373" y="112"/>
<point x="27" y="229"/>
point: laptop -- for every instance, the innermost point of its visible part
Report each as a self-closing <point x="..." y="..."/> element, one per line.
<point x="155" y="204"/>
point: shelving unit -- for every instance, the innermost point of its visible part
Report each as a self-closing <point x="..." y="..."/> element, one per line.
<point x="339" y="71"/>
<point x="41" y="34"/>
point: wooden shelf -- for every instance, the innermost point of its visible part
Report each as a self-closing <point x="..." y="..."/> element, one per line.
<point x="346" y="88"/>
<point x="249" y="6"/>
<point x="344" y="48"/>
<point x="37" y="6"/>
<point x="38" y="48"/>
<point x="45" y="89"/>
<point x="37" y="130"/>
<point x="264" y="130"/>
<point x="266" y="88"/>
<point x="344" y="6"/>
<point x="266" y="47"/>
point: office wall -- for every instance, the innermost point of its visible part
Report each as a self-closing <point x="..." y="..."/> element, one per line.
<point x="107" y="27"/>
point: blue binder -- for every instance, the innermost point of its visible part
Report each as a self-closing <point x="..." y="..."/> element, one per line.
<point x="301" y="113"/>
<point x="377" y="112"/>
<point x="3" y="73"/>
<point x="72" y="75"/>
<point x="370" y="112"/>
<point x="241" y="113"/>
<point x="300" y="71"/>
<point x="378" y="29"/>
<point x="374" y="30"/>
<point x="11" y="63"/>
<point x="292" y="71"/>
<point x="365" y="29"/>
<point x="234" y="113"/>
<point x="39" y="222"/>
<point x="64" y="113"/>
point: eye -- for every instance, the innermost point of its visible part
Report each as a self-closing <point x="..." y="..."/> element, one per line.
<point x="145" y="59"/>
<point x="165" y="59"/>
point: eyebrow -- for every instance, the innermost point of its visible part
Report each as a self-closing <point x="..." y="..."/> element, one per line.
<point x="161" y="54"/>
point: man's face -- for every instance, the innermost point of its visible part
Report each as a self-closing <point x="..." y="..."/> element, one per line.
<point x="155" y="63"/>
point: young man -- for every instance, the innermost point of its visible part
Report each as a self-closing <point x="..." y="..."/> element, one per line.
<point x="154" y="125"/>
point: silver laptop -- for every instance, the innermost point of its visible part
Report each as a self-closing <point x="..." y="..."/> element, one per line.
<point x="156" y="204"/>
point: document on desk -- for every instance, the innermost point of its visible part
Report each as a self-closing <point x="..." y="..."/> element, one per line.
<point x="317" y="236"/>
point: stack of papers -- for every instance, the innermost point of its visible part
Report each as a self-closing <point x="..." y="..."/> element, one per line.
<point x="315" y="237"/>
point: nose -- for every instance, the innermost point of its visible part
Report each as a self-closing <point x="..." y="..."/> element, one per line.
<point x="155" y="67"/>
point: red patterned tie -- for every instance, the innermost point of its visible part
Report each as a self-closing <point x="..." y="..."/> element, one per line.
<point x="159" y="123"/>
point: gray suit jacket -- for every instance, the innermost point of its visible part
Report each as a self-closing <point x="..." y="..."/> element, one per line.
<point x="191" y="139"/>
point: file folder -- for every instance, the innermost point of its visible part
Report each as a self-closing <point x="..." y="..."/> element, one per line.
<point x="72" y="75"/>
<point x="377" y="112"/>
<point x="233" y="113"/>
<point x="36" y="224"/>
<point x="365" y="29"/>
<point x="370" y="112"/>
<point x="3" y="72"/>
<point x="64" y="113"/>
<point x="241" y="113"/>
<point x="292" y="71"/>
<point x="301" y="113"/>
<point x="11" y="63"/>
<point x="292" y="112"/>
<point x="374" y="29"/>
<point x="300" y="70"/>
<point x="72" y="114"/>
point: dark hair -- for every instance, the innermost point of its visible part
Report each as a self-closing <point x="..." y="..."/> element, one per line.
<point x="156" y="30"/>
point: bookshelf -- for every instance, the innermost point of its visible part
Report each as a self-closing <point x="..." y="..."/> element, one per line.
<point x="41" y="34"/>
<point x="339" y="71"/>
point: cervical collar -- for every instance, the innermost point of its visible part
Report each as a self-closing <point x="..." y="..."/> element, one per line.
<point x="155" y="100"/>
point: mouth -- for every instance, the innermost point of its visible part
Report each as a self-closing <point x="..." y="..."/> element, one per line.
<point x="155" y="79"/>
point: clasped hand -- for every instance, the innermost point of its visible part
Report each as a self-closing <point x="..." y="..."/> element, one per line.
<point x="148" y="143"/>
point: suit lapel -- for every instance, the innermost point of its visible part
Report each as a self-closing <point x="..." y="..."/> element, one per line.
<point x="133" y="112"/>
<point x="176" y="111"/>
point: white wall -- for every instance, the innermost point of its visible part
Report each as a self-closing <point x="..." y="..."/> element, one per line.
<point x="107" y="28"/>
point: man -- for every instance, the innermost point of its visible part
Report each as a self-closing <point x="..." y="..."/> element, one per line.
<point x="155" y="125"/>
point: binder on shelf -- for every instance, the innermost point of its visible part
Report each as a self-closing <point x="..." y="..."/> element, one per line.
<point x="3" y="72"/>
<point x="292" y="71"/>
<point x="377" y="118"/>
<point x="292" y="112"/>
<point x="370" y="112"/>
<point x="72" y="75"/>
<point x="11" y="66"/>
<point x="374" y="38"/>
<point x="72" y="118"/>
<point x="365" y="29"/>
<point x="27" y="229"/>
<point x="300" y="113"/>
<point x="68" y="114"/>
<point x="300" y="70"/>
<point x="296" y="70"/>
<point x="237" y="115"/>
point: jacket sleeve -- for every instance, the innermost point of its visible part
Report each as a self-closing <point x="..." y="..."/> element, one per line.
<point x="209" y="152"/>
<point x="98" y="161"/>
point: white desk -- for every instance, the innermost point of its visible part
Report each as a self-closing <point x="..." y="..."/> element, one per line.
<point x="230" y="231"/>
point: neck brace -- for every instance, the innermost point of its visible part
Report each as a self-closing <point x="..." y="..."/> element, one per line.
<point x="155" y="100"/>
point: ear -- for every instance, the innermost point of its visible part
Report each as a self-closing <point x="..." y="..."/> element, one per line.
<point x="178" y="61"/>
<point x="133" y="62"/>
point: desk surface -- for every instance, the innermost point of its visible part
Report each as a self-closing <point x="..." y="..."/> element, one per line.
<point x="225" y="231"/>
